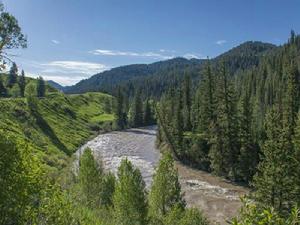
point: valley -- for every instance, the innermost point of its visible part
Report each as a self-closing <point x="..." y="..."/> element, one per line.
<point x="172" y="119"/>
<point x="216" y="197"/>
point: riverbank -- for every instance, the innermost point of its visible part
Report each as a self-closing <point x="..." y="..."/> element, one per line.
<point x="217" y="198"/>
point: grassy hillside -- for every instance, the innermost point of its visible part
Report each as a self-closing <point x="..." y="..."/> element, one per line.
<point x="60" y="124"/>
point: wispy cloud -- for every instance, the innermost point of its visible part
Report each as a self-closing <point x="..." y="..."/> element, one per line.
<point x="55" y="41"/>
<point x="154" y="55"/>
<point x="77" y="67"/>
<point x="64" y="80"/>
<point x="167" y="51"/>
<point x="193" y="56"/>
<point x="221" y="42"/>
<point x="64" y="72"/>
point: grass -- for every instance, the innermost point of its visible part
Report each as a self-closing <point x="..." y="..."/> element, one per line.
<point x="60" y="125"/>
<point x="102" y="118"/>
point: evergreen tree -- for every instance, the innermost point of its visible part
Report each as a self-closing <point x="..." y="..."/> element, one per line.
<point x="207" y="100"/>
<point x="248" y="159"/>
<point x="41" y="87"/>
<point x="121" y="119"/>
<point x="273" y="183"/>
<point x="108" y="189"/>
<point x="13" y="75"/>
<point x="15" y="91"/>
<point x="129" y="199"/>
<point x="187" y="103"/>
<point x="90" y="178"/>
<point x="137" y="110"/>
<point x="165" y="191"/>
<point x="291" y="100"/>
<point x="193" y="217"/>
<point x="22" y="83"/>
<point x="178" y="125"/>
<point x="224" y="139"/>
<point x="148" y="114"/>
<point x="296" y="157"/>
<point x="3" y="91"/>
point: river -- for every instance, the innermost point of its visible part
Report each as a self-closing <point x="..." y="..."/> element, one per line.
<point x="217" y="198"/>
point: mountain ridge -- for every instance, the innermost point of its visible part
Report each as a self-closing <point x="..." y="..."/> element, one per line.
<point x="242" y="56"/>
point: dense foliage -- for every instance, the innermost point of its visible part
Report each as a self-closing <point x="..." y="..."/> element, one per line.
<point x="244" y="125"/>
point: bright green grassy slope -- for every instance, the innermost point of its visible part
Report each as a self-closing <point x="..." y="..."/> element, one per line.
<point x="62" y="123"/>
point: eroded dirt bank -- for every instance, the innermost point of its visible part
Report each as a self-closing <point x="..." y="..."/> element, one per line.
<point x="217" y="198"/>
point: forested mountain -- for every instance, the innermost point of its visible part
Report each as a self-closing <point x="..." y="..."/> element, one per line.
<point x="108" y="80"/>
<point x="156" y="78"/>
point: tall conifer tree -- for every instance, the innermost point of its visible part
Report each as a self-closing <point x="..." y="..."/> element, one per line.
<point x="129" y="199"/>
<point x="13" y="75"/>
<point x="22" y="83"/>
<point x="273" y="183"/>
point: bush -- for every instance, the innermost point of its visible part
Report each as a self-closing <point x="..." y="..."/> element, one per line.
<point x="252" y="213"/>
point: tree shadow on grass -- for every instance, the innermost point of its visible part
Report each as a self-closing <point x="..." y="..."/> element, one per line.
<point x="48" y="131"/>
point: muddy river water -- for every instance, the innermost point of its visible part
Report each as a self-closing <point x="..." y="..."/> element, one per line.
<point x="218" y="199"/>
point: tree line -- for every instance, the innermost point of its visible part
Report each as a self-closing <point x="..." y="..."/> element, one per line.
<point x="242" y="126"/>
<point x="133" y="112"/>
<point x="14" y="85"/>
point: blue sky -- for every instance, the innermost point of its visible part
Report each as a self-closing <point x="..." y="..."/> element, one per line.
<point x="69" y="40"/>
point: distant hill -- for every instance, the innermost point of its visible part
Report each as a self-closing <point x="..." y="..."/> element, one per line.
<point x="157" y="77"/>
<point x="55" y="85"/>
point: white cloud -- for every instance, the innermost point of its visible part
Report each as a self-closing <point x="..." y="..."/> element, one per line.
<point x="65" y="72"/>
<point x="132" y="54"/>
<point x="221" y="42"/>
<point x="63" y="80"/>
<point x="77" y="67"/>
<point x="192" y="56"/>
<point x="55" y="41"/>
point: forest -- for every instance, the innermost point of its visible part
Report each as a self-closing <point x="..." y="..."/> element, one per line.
<point x="236" y="116"/>
<point x="243" y="126"/>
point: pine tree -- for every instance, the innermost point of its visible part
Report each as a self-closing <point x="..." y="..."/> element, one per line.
<point x="120" y="114"/>
<point x="148" y="114"/>
<point x="22" y="83"/>
<point x="13" y="75"/>
<point x="90" y="178"/>
<point x="224" y="139"/>
<point x="296" y="157"/>
<point x="137" y="110"/>
<point x="108" y="189"/>
<point x="178" y="125"/>
<point x="291" y="100"/>
<point x="193" y="217"/>
<point x="165" y="191"/>
<point x="3" y="91"/>
<point x="273" y="184"/>
<point x="41" y="87"/>
<point x="248" y="158"/>
<point x="129" y="199"/>
<point x="187" y="103"/>
<point x="207" y="100"/>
